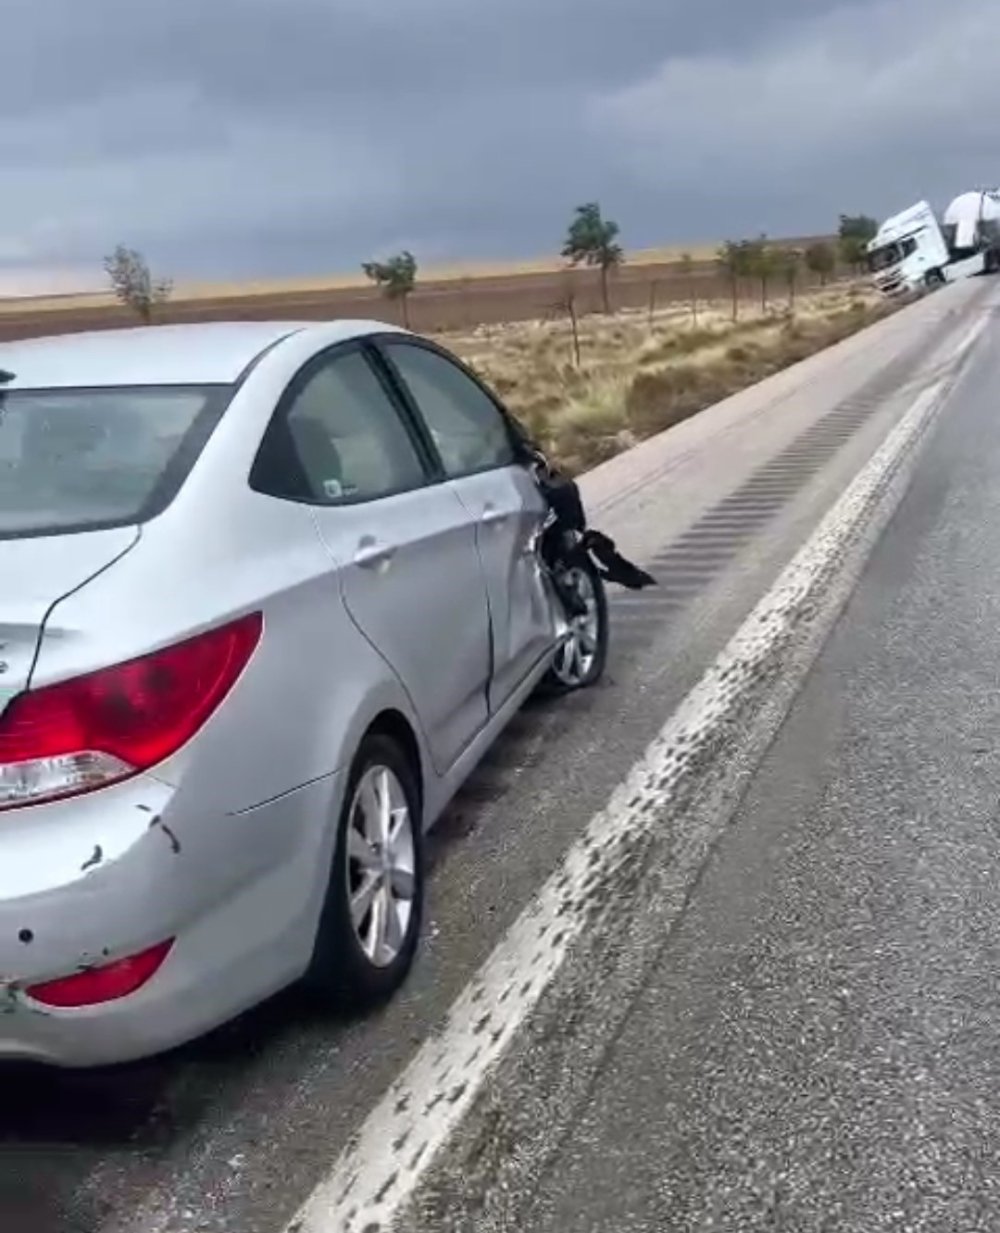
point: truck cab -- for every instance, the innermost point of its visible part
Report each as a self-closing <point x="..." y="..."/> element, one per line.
<point x="908" y="252"/>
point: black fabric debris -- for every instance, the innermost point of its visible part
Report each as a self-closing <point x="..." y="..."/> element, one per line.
<point x="614" y="567"/>
<point x="567" y="535"/>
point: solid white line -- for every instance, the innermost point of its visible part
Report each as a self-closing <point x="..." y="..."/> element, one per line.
<point x="381" y="1167"/>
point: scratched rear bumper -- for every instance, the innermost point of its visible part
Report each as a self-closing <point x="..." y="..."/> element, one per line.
<point x="97" y="878"/>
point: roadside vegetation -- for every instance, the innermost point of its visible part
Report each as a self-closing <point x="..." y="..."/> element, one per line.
<point x="588" y="387"/>
<point x="396" y="278"/>
<point x="593" y="240"/>
<point x="591" y="387"/>
<point x="589" y="384"/>
<point x="854" y="234"/>
<point x="133" y="283"/>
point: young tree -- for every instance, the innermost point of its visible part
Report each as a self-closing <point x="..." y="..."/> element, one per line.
<point x="133" y="283"/>
<point x="687" y="272"/>
<point x="854" y="233"/>
<point x="821" y="260"/>
<point x="762" y="262"/>
<point x="789" y="262"/>
<point x="565" y="305"/>
<point x="593" y="240"/>
<point x="396" y="278"/>
<point x="735" y="259"/>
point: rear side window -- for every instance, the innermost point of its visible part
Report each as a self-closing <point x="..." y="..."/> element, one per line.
<point x="341" y="439"/>
<point x="465" y="423"/>
<point x="79" y="460"/>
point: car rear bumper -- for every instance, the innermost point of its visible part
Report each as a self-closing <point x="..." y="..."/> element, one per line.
<point x="106" y="876"/>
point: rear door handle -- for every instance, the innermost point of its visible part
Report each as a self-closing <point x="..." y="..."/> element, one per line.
<point x="373" y="554"/>
<point x="492" y="515"/>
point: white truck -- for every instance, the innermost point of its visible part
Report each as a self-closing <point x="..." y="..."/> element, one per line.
<point x="971" y="228"/>
<point x="909" y="252"/>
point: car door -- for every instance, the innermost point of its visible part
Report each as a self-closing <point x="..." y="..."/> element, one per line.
<point x="473" y="442"/>
<point x="405" y="545"/>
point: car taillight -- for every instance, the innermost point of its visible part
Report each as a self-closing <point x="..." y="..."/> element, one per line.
<point x="104" y="984"/>
<point x="96" y="729"/>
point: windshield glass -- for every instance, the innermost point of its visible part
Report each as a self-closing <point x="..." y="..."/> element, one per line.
<point x="891" y="254"/>
<point x="78" y="460"/>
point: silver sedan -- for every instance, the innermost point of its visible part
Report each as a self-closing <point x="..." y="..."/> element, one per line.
<point x="269" y="592"/>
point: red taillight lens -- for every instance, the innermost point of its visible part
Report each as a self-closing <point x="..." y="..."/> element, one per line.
<point x="104" y="984"/>
<point x="95" y="729"/>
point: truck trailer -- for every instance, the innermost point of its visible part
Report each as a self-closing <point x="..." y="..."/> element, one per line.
<point x="971" y="229"/>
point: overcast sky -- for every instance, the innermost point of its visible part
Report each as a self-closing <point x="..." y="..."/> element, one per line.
<point x="233" y="138"/>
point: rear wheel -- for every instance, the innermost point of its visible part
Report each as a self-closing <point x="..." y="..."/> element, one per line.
<point x="581" y="658"/>
<point x="370" y="924"/>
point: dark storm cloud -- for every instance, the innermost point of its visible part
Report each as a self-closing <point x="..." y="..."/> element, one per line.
<point x="270" y="136"/>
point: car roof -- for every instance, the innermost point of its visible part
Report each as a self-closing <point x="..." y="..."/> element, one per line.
<point x="204" y="353"/>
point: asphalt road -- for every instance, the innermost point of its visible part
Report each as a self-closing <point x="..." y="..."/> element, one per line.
<point x="815" y="1046"/>
<point x="806" y="1043"/>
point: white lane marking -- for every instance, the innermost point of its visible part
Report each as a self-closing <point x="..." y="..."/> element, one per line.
<point x="380" y="1168"/>
<point x="969" y="340"/>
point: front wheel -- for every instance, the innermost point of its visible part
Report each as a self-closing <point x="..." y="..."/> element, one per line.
<point x="370" y="923"/>
<point x="581" y="658"/>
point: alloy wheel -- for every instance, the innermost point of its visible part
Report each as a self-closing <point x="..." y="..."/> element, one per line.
<point x="576" y="656"/>
<point x="381" y="865"/>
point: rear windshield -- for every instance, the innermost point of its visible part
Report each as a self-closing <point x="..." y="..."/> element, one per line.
<point x="79" y="460"/>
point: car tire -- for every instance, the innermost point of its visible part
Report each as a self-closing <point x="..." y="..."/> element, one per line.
<point x="581" y="660"/>
<point x="934" y="278"/>
<point x="362" y="956"/>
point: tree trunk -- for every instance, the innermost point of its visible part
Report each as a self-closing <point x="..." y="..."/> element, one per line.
<point x="604" y="289"/>
<point x="404" y="303"/>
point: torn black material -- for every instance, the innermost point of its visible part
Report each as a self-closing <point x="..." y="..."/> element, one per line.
<point x="567" y="537"/>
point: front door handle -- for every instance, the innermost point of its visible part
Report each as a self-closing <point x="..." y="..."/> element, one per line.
<point x="373" y="554"/>
<point x="492" y="515"/>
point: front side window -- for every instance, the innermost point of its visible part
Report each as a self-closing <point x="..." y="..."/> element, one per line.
<point x="81" y="459"/>
<point x="347" y="435"/>
<point x="466" y="426"/>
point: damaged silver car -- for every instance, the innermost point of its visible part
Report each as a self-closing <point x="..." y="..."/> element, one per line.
<point x="269" y="592"/>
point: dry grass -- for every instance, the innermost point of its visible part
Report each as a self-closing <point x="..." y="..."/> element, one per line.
<point x="638" y="377"/>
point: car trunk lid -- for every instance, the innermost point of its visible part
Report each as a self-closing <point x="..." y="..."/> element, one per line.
<point x="35" y="573"/>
